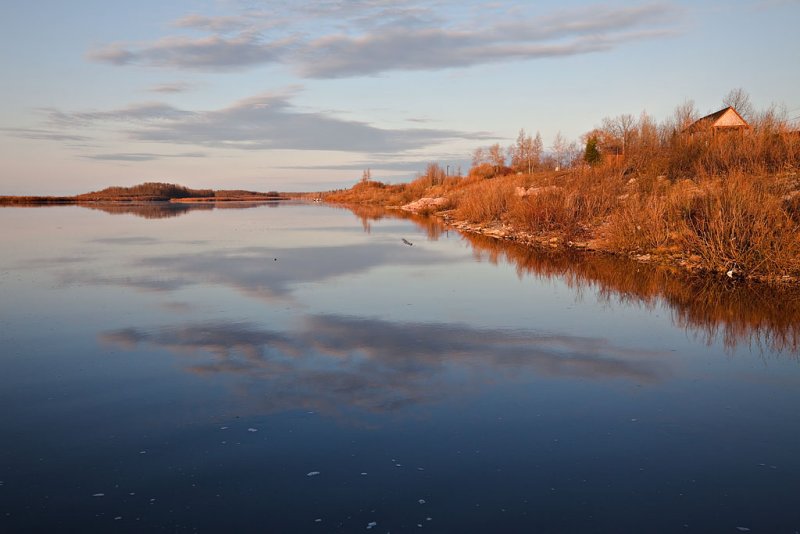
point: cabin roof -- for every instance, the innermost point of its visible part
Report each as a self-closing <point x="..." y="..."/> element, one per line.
<point x="725" y="118"/>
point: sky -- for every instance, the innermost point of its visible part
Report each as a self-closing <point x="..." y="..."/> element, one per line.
<point x="304" y="96"/>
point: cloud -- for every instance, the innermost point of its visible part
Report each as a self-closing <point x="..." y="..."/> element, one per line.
<point x="342" y="39"/>
<point x="137" y="113"/>
<point x="42" y="134"/>
<point x="215" y="52"/>
<point x="431" y="48"/>
<point x="267" y="121"/>
<point x="331" y="363"/>
<point x="222" y="24"/>
<point x="176" y="87"/>
<point x="142" y="156"/>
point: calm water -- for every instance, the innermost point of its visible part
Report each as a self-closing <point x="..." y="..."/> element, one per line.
<point x="299" y="368"/>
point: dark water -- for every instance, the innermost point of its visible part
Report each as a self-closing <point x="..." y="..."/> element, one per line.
<point x="296" y="368"/>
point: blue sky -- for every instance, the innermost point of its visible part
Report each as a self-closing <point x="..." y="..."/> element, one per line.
<point x="275" y="94"/>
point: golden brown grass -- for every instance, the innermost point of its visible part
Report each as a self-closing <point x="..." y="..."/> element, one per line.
<point x="745" y="223"/>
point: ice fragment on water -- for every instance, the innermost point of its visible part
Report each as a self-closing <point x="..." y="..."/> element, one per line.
<point x="743" y="529"/>
<point x="312" y="473"/>
<point x="421" y="501"/>
<point x="318" y="520"/>
<point x="99" y="495"/>
<point x="371" y="524"/>
<point x="363" y="474"/>
<point x="118" y="518"/>
<point x="251" y="429"/>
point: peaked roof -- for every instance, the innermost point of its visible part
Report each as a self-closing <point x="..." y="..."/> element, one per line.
<point x="711" y="120"/>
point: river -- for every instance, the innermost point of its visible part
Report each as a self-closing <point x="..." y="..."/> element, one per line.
<point x="296" y="367"/>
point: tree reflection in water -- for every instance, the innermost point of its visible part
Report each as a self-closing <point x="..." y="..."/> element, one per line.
<point x="166" y="210"/>
<point x="761" y="316"/>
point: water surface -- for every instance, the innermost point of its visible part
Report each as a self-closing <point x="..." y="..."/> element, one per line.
<point x="301" y="368"/>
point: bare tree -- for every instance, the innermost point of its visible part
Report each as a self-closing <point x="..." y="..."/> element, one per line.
<point x="479" y="156"/>
<point x="685" y="114"/>
<point x="559" y="147"/>
<point x="739" y="100"/>
<point x="435" y="173"/>
<point x="496" y="157"/>
<point x="621" y="129"/>
<point x="526" y="154"/>
<point x="573" y="154"/>
<point x="366" y="176"/>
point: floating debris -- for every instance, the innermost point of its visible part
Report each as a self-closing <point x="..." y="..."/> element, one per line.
<point x="407" y="242"/>
<point x="421" y="501"/>
<point x="371" y="524"/>
<point x="312" y="473"/>
<point x="223" y="428"/>
<point x="142" y="452"/>
<point x="363" y="474"/>
<point x="420" y="469"/>
<point x="251" y="429"/>
<point x="318" y="520"/>
<point x="743" y="529"/>
<point x="98" y="495"/>
<point x="118" y="518"/>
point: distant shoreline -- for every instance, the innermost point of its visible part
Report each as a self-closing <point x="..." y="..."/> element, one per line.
<point x="148" y="192"/>
<point x="10" y="201"/>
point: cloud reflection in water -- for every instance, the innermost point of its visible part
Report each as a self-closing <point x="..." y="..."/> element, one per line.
<point x="332" y="363"/>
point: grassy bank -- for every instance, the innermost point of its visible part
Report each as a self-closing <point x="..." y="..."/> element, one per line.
<point x="726" y="205"/>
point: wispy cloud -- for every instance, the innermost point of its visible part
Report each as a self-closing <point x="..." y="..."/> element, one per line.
<point x="267" y="121"/>
<point x="221" y="24"/>
<point x="430" y="48"/>
<point x="176" y="87"/>
<point x="215" y="52"/>
<point x="136" y="113"/>
<point x="335" y="39"/>
<point x="142" y="156"/>
<point x="43" y="134"/>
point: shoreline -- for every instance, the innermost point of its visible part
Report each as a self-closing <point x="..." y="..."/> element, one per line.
<point x="553" y="241"/>
<point x="11" y="201"/>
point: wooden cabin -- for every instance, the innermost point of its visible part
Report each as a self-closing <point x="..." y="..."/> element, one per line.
<point x="724" y="121"/>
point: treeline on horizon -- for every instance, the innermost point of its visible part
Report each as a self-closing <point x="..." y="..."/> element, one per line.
<point x="727" y="202"/>
<point x="146" y="192"/>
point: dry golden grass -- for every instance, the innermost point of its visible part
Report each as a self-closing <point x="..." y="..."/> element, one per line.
<point x="728" y="202"/>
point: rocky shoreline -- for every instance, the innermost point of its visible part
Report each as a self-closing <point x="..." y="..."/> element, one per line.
<point x="691" y="264"/>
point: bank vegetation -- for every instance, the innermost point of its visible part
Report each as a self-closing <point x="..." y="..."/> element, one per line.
<point x="724" y="201"/>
